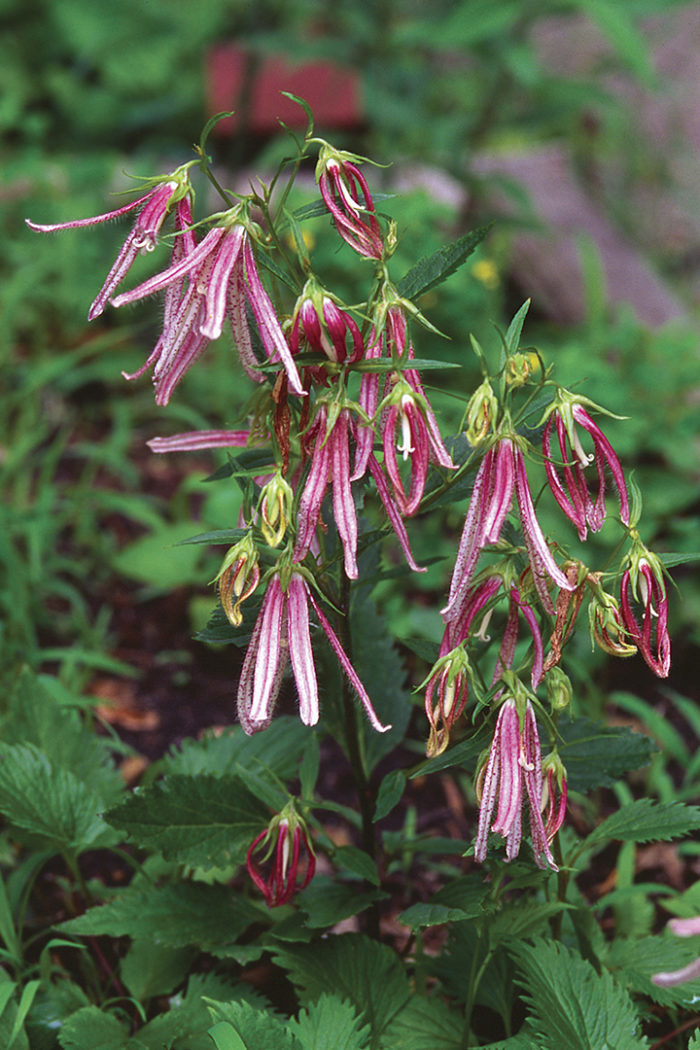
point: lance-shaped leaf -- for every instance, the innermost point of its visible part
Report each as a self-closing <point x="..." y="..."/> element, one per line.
<point x="436" y="268"/>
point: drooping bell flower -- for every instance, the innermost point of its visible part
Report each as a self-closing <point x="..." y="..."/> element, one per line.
<point x="605" y="622"/>
<point x="643" y="583"/>
<point x="513" y="772"/>
<point x="282" y="633"/>
<point x="281" y="859"/>
<point x="346" y="194"/>
<point x="221" y="276"/>
<point x="153" y="208"/>
<point x="330" y="462"/>
<point x="571" y="489"/>
<point x="502" y="471"/>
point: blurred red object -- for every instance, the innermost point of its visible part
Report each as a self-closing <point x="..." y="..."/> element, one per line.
<point x="237" y="79"/>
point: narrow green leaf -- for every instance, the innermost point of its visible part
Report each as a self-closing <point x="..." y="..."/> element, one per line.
<point x="225" y="1037"/>
<point x="390" y="793"/>
<point x="358" y="862"/>
<point x="515" y="328"/>
<point x="24" y="1006"/>
<point x="216" y="536"/>
<point x="420" y="915"/>
<point x="436" y="268"/>
<point x="310" y="765"/>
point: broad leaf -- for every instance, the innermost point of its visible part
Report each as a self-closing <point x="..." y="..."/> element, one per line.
<point x="91" y="1029"/>
<point x="634" y="961"/>
<point x="389" y="795"/>
<point x="258" y="1029"/>
<point x="49" y="807"/>
<point x="150" y="969"/>
<point x="646" y="821"/>
<point x="436" y="268"/>
<point x="421" y="915"/>
<point x="279" y="748"/>
<point x="330" y="1022"/>
<point x="425" y="1024"/>
<point x="327" y="901"/>
<point x="571" y="1005"/>
<point x="203" y="820"/>
<point x="187" y="913"/>
<point x="596" y="755"/>
<point x="353" y="967"/>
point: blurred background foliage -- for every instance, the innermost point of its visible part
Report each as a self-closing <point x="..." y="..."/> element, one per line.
<point x="90" y="90"/>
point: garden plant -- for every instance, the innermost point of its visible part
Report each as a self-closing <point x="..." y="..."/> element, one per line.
<point x="274" y="885"/>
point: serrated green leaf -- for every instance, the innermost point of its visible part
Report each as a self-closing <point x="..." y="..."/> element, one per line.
<point x="358" y="862"/>
<point x="353" y="967"/>
<point x="49" y="807"/>
<point x="522" y="919"/>
<point x="596" y="755"/>
<point x="34" y="715"/>
<point x="259" y="1030"/>
<point x="433" y="269"/>
<point x="278" y="749"/>
<point x="425" y="1024"/>
<point x="91" y="1029"/>
<point x="421" y="915"/>
<point x="327" y="901"/>
<point x="390" y="792"/>
<point x="694" y="1043"/>
<point x="150" y="969"/>
<point x="203" y="820"/>
<point x="646" y="821"/>
<point x="330" y="1022"/>
<point x="186" y="1023"/>
<point x="633" y="962"/>
<point x="571" y="1005"/>
<point x="187" y="913"/>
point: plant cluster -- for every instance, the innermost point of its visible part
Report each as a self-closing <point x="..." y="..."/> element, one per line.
<point x="339" y="449"/>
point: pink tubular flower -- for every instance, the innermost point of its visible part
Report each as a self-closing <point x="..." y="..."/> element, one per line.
<point x="513" y="769"/>
<point x="221" y="275"/>
<point x="330" y="460"/>
<point x="681" y="928"/>
<point x="502" y="470"/>
<point x="644" y="581"/>
<point x="154" y="207"/>
<point x="282" y="631"/>
<point x="572" y="495"/>
<point x="194" y="440"/>
<point x="346" y="194"/>
<point x="286" y="842"/>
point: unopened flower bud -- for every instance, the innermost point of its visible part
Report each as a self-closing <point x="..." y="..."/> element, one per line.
<point x="450" y="677"/>
<point x="238" y="577"/>
<point x="554" y="782"/>
<point x="275" y="509"/>
<point x="606" y="626"/>
<point x="559" y="689"/>
<point x="518" y="370"/>
<point x="481" y="413"/>
<point x="276" y="857"/>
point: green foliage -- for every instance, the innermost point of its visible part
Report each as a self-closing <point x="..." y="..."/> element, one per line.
<point x="330" y="1021"/>
<point x="182" y="915"/>
<point x="91" y="1029"/>
<point x="258" y="1030"/>
<point x="571" y="1004"/>
<point x="327" y="901"/>
<point x="200" y="820"/>
<point x="643" y="820"/>
<point x="596" y="755"/>
<point x="633" y="962"/>
<point x="428" y="273"/>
